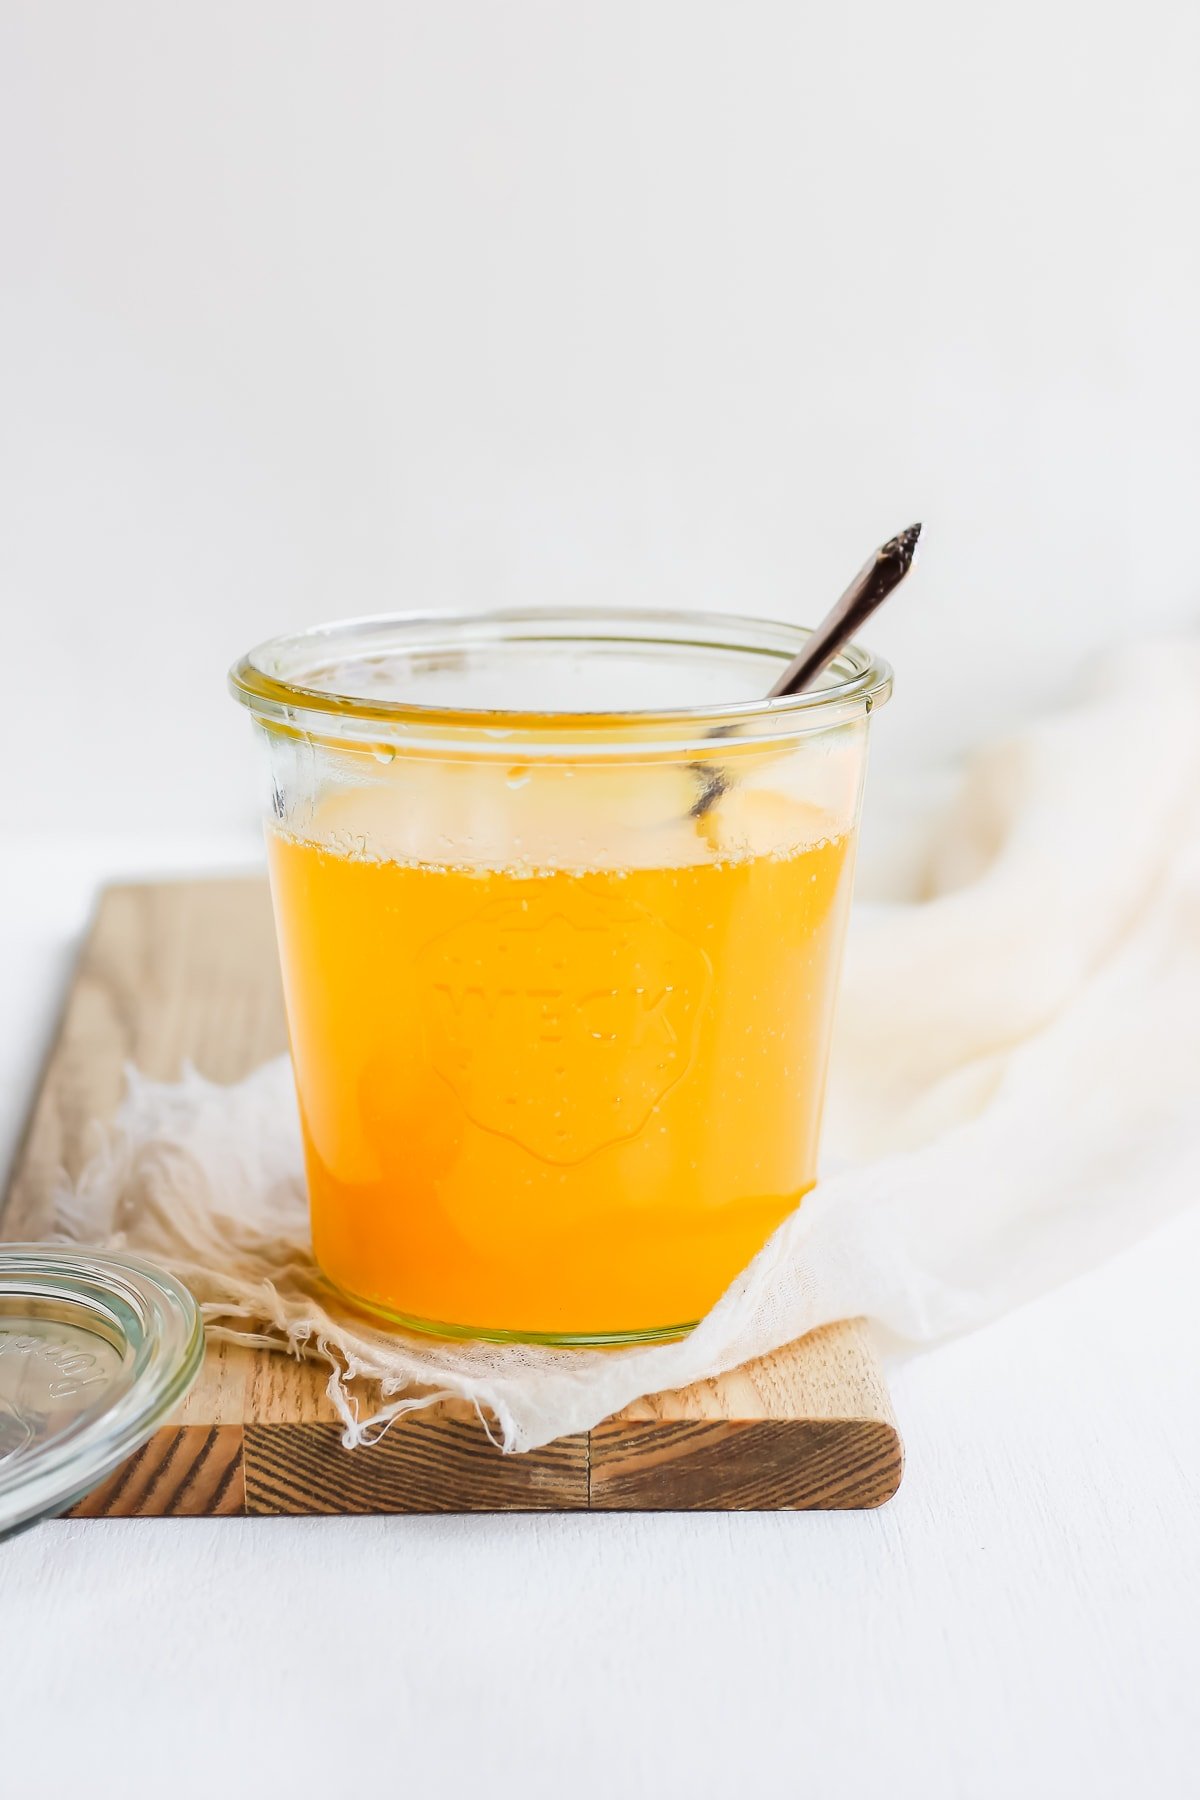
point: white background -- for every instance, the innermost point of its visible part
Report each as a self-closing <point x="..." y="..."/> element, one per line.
<point x="317" y="309"/>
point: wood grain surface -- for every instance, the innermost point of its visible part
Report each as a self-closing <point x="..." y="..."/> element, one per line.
<point x="186" y="971"/>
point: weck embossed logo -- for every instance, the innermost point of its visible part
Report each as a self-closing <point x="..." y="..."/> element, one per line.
<point x="562" y="1019"/>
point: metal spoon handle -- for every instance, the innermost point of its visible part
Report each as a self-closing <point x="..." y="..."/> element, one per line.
<point x="869" y="589"/>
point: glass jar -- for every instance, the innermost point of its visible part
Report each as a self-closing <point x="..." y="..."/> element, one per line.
<point x="560" y="902"/>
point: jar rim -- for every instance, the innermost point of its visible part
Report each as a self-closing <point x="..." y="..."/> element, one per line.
<point x="274" y="679"/>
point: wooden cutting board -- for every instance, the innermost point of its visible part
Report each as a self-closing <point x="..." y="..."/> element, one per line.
<point x="186" y="971"/>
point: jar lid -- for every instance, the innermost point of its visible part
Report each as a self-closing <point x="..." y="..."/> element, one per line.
<point x="96" y="1351"/>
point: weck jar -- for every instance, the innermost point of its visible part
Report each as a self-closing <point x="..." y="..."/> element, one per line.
<point x="560" y="902"/>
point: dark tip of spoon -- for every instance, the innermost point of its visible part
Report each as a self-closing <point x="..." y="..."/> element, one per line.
<point x="902" y="548"/>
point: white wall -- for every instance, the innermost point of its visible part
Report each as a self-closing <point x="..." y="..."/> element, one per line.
<point x="323" y="308"/>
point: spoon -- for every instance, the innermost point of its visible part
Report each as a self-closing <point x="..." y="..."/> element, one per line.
<point x="869" y="589"/>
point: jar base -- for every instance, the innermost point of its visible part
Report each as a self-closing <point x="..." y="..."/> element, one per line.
<point x="494" y="1334"/>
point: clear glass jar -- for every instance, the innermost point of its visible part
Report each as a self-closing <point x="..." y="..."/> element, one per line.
<point x="560" y="903"/>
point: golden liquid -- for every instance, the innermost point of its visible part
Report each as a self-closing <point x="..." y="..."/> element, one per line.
<point x="568" y="1102"/>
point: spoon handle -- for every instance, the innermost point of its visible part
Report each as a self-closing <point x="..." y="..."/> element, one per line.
<point x="869" y="589"/>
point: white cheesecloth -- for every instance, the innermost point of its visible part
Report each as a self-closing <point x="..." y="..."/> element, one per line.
<point x="1016" y="1096"/>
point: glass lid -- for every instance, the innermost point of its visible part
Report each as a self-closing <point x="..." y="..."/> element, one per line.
<point x="96" y="1350"/>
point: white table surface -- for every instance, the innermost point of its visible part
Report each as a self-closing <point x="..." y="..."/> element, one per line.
<point x="1020" y="1620"/>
